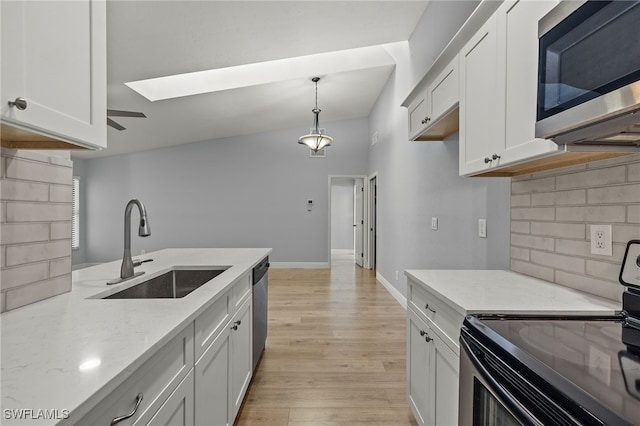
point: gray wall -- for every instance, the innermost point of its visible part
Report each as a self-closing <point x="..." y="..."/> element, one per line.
<point x="248" y="191"/>
<point x="419" y="180"/>
<point x="342" y="214"/>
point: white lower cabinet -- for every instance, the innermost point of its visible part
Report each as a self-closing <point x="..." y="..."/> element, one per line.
<point x="199" y="378"/>
<point x="223" y="373"/>
<point x="432" y="359"/>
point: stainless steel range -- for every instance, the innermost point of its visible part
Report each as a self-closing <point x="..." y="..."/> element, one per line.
<point x="555" y="370"/>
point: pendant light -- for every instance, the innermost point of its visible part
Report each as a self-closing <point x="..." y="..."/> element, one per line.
<point x="315" y="140"/>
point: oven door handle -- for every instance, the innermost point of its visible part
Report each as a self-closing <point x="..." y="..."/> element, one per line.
<point x="505" y="398"/>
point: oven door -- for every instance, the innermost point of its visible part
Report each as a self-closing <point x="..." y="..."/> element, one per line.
<point x="483" y="399"/>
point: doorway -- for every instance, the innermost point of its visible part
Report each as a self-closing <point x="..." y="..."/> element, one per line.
<point x="347" y="222"/>
<point x="372" y="221"/>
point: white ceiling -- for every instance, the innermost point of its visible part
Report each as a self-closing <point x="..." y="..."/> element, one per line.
<point x="149" y="39"/>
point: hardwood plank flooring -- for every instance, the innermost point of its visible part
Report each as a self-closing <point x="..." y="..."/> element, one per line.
<point x="335" y="354"/>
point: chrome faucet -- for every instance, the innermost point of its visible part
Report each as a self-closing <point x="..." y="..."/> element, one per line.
<point x="126" y="270"/>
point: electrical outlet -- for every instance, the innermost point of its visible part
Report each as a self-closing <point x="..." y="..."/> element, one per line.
<point x="434" y="223"/>
<point x="482" y="228"/>
<point x="397" y="275"/>
<point x="601" y="240"/>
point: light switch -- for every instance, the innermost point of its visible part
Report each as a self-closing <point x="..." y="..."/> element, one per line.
<point x="482" y="228"/>
<point x="434" y="223"/>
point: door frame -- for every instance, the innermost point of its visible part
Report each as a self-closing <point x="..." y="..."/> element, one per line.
<point x="365" y="218"/>
<point x="370" y="220"/>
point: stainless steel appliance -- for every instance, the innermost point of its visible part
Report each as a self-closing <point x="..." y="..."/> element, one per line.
<point x="588" y="75"/>
<point x="554" y="370"/>
<point x="260" y="293"/>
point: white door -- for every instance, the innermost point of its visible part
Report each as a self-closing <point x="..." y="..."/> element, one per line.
<point x="358" y="218"/>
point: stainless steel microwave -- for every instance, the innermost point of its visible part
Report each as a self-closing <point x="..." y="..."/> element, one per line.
<point x="589" y="74"/>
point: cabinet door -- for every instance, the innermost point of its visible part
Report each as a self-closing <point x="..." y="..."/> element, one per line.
<point x="419" y="112"/>
<point x="177" y="410"/>
<point x="241" y="365"/>
<point x="444" y="380"/>
<point x="481" y="100"/>
<point x="54" y="56"/>
<point x="518" y="68"/>
<point x="444" y="91"/>
<point x="418" y="361"/>
<point x="212" y="383"/>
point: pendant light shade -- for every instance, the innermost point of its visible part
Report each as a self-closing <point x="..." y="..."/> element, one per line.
<point x="315" y="140"/>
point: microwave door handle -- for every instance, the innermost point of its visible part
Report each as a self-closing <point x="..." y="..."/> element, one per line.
<point x="509" y="401"/>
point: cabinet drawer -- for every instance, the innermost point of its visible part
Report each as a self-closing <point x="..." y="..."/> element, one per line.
<point x="209" y="324"/>
<point x="441" y="315"/>
<point x="239" y="291"/>
<point x="155" y="380"/>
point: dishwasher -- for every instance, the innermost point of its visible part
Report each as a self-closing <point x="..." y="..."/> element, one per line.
<point x="260" y="281"/>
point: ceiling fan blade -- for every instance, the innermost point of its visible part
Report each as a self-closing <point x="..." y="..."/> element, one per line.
<point x="115" y="125"/>
<point x="119" y="113"/>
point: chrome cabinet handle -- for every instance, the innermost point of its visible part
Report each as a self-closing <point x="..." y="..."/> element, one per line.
<point x="487" y="160"/>
<point x="422" y="332"/>
<point x="236" y="324"/>
<point x="427" y="307"/>
<point x="427" y="338"/>
<point x="121" y="418"/>
<point x="20" y="103"/>
<point x="495" y="157"/>
<point x="426" y="120"/>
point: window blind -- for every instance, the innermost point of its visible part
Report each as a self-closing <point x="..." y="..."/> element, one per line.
<point x="75" y="217"/>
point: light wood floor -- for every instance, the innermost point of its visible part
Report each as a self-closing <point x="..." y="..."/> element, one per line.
<point x="335" y="352"/>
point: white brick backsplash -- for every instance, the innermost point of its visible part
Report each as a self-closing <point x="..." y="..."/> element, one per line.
<point x="31" y="293"/>
<point x="534" y="185"/>
<point x="597" y="286"/>
<point x="596" y="177"/>
<point x="603" y="214"/>
<point x="58" y="161"/>
<point x="60" y="230"/>
<point x="633" y="213"/>
<point x="10" y="154"/>
<point x="559" y="198"/>
<point x="520" y="253"/>
<point x="523" y="200"/>
<point x="58" y="267"/>
<point x="529" y="241"/>
<point x="3" y="256"/>
<point x="613" y="194"/>
<point x="27" y="253"/>
<point x="605" y="270"/>
<point x="520" y="227"/>
<point x="624" y="233"/>
<point x="60" y="194"/>
<point x="558" y="261"/>
<point x="26" y="274"/>
<point x="634" y="172"/>
<point x="558" y="249"/>
<point x="28" y="212"/>
<point x="557" y="229"/>
<point x="530" y="269"/>
<point x="33" y="171"/>
<point x="2" y="298"/>
<point x="24" y="191"/>
<point x="532" y="213"/>
<point x="16" y="233"/>
<point x="3" y="212"/>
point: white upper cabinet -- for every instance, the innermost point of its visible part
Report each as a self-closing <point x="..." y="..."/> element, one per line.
<point x="481" y="100"/>
<point x="54" y="64"/>
<point x="433" y="115"/>
<point x="499" y="89"/>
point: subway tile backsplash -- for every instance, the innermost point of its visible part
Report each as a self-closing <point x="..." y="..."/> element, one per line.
<point x="551" y="215"/>
<point x="35" y="233"/>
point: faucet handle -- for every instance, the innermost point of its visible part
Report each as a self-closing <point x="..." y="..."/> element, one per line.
<point x="137" y="262"/>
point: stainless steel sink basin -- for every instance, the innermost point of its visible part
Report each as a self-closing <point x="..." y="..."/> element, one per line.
<point x="171" y="285"/>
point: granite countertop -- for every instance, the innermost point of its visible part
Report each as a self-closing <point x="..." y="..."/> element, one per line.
<point x="70" y="351"/>
<point x="503" y="292"/>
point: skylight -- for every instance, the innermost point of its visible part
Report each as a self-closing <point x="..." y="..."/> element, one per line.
<point x="195" y="83"/>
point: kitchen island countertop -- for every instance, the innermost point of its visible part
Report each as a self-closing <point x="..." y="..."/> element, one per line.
<point x="66" y="353"/>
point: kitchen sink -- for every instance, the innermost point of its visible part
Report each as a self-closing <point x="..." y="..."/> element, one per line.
<point x="170" y="285"/>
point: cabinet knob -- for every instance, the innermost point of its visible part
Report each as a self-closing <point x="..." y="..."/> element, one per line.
<point x="426" y="120"/>
<point x="428" y="339"/>
<point x="495" y="156"/>
<point x="135" y="409"/>
<point x="422" y="332"/>
<point x="20" y="103"/>
<point x="487" y="160"/>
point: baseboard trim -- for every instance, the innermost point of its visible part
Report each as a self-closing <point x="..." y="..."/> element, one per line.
<point x="342" y="251"/>
<point x="299" y="265"/>
<point x="392" y="290"/>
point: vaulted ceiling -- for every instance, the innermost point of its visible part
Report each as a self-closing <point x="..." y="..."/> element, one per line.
<point x="292" y="41"/>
